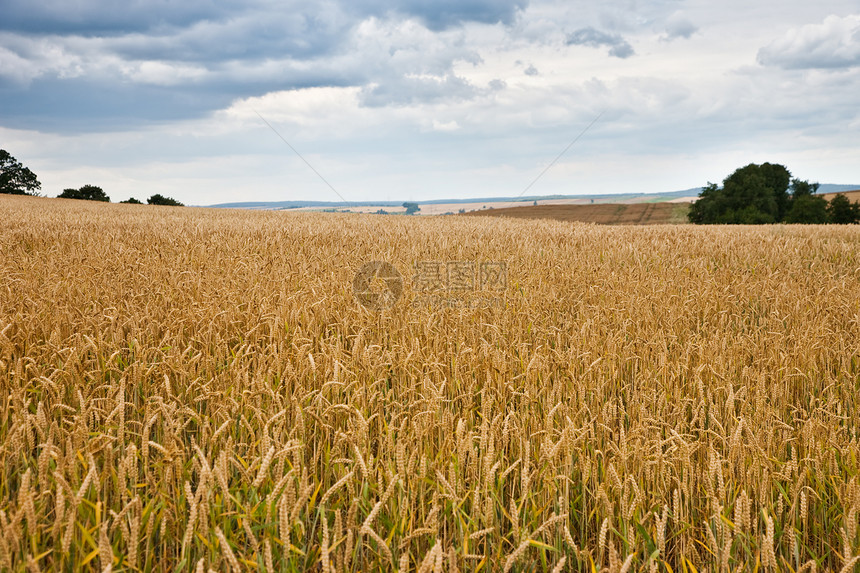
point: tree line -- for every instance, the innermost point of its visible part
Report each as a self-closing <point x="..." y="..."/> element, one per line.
<point x="15" y="179"/>
<point x="767" y="193"/>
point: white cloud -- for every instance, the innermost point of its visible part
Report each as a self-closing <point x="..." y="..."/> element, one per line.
<point x="589" y="36"/>
<point x="163" y="73"/>
<point x="835" y="43"/>
<point x="15" y="68"/>
<point x="326" y="112"/>
<point x="445" y="125"/>
<point x="25" y="59"/>
<point x="679" y="26"/>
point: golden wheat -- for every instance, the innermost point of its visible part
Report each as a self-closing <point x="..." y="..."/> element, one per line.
<point x="191" y="389"/>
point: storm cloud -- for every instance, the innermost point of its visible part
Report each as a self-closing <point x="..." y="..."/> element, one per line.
<point x="114" y="64"/>
<point x="108" y="18"/>
<point x="418" y="98"/>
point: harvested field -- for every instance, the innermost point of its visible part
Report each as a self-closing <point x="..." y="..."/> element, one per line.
<point x="604" y="214"/>
<point x="854" y="196"/>
<point x="191" y="389"/>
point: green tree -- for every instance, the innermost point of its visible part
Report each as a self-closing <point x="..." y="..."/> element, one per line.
<point x="777" y="178"/>
<point x="159" y="199"/>
<point x="749" y="215"/>
<point x="756" y="194"/>
<point x="804" y="205"/>
<point x="842" y="211"/>
<point x="802" y="188"/>
<point x="808" y="209"/>
<point x="15" y="179"/>
<point x="750" y="194"/>
<point x="703" y="211"/>
<point x="132" y="200"/>
<point x="411" y="208"/>
<point x="87" y="193"/>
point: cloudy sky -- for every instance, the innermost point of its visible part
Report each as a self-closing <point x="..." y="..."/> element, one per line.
<point x="415" y="100"/>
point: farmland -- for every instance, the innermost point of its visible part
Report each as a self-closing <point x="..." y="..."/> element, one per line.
<point x="604" y="213"/>
<point x="190" y="389"/>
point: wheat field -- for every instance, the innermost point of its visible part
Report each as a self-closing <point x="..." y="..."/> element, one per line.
<point x="194" y="390"/>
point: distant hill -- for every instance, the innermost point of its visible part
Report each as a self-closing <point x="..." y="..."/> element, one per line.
<point x="830" y="188"/>
<point x="494" y="202"/>
<point x="598" y="198"/>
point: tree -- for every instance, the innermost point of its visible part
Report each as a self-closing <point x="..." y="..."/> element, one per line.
<point x="744" y="200"/>
<point x="807" y="209"/>
<point x="15" y="179"/>
<point x="132" y="200"/>
<point x="842" y="211"/>
<point x="751" y="193"/>
<point x="411" y="208"/>
<point x="705" y="210"/>
<point x="87" y="193"/>
<point x="801" y="188"/>
<point x="159" y="199"/>
<point x="804" y="205"/>
<point x="777" y="177"/>
<point x="757" y="194"/>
